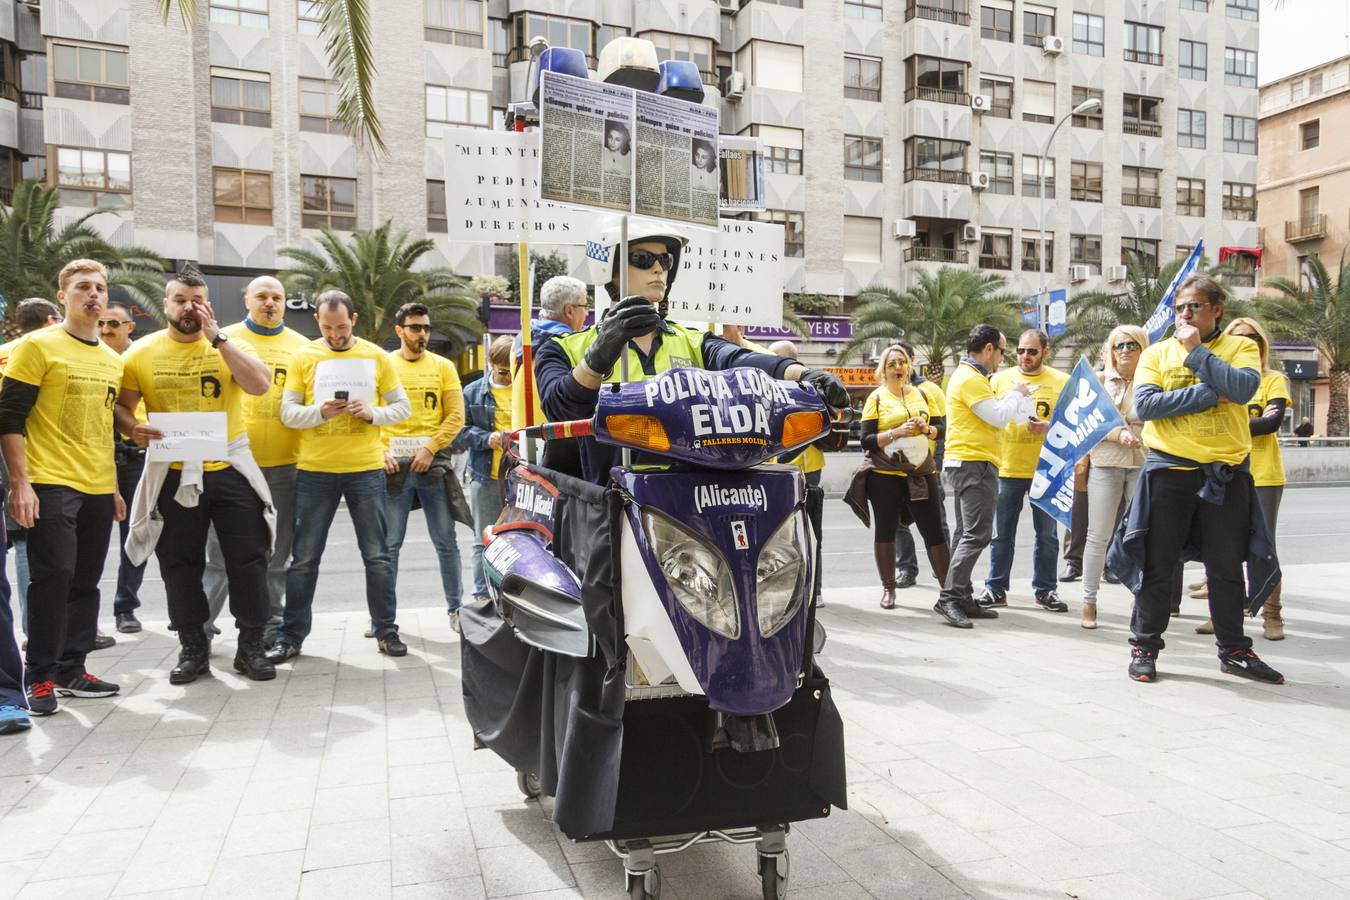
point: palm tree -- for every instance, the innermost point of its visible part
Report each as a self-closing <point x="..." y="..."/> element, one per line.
<point x="377" y="270"/>
<point x="33" y="250"/>
<point x="1319" y="315"/>
<point x="346" y="31"/>
<point x="936" y="314"/>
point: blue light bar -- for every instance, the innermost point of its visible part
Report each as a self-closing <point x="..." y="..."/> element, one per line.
<point x="564" y="60"/>
<point x="681" y="79"/>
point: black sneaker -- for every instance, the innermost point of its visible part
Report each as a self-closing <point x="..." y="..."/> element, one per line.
<point x="990" y="598"/>
<point x="1143" y="665"/>
<point x="104" y="641"/>
<point x="1070" y="573"/>
<point x="1049" y="600"/>
<point x="391" y="644"/>
<point x="42" y="698"/>
<point x="1246" y="664"/>
<point x="951" y="611"/>
<point x="280" y="652"/>
<point x="1108" y="576"/>
<point x="906" y="580"/>
<point x="127" y="623"/>
<point x="86" y="685"/>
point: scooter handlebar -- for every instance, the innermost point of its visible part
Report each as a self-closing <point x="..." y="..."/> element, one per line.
<point x="549" y="431"/>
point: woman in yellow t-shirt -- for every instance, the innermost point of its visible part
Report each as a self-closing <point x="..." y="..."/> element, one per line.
<point x="895" y="422"/>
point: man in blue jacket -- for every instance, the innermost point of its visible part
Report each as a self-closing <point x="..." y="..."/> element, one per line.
<point x="487" y="419"/>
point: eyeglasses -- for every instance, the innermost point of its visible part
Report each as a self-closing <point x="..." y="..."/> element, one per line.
<point x="1125" y="345"/>
<point x="1193" y="307"/>
<point x="418" y="329"/>
<point x="1028" y="351"/>
<point x="111" y="323"/>
<point x="645" y="259"/>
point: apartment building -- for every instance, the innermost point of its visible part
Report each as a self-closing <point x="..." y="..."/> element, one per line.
<point x="900" y="136"/>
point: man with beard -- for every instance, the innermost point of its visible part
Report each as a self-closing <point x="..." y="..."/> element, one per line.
<point x="411" y="447"/>
<point x="168" y="371"/>
<point x="114" y="329"/>
<point x="275" y="447"/>
<point x="340" y="391"/>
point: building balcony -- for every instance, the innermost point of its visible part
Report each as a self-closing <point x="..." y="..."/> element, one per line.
<point x="1147" y="129"/>
<point x="936" y="14"/>
<point x="1143" y="56"/>
<point x="937" y="95"/>
<point x="31" y="99"/>
<point x="1132" y="198"/>
<point x="918" y="253"/>
<point x="1313" y="228"/>
<point x="942" y="176"/>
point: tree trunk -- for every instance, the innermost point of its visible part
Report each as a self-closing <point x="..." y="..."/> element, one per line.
<point x="1338" y="410"/>
<point x="935" y="371"/>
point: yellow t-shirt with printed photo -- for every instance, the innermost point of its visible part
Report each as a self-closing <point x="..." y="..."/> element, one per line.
<point x="970" y="438"/>
<point x="1267" y="463"/>
<point x="1021" y="448"/>
<point x="1217" y="434"/>
<point x="69" y="432"/>
<point x="343" y="444"/>
<point x="890" y="411"/>
<point x="273" y="444"/>
<point x="177" y="377"/>
<point x="434" y="390"/>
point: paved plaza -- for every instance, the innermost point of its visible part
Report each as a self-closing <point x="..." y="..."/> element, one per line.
<point x="1012" y="761"/>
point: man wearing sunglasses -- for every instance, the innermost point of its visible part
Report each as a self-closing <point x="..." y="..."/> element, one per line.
<point x="564" y="309"/>
<point x="1195" y="498"/>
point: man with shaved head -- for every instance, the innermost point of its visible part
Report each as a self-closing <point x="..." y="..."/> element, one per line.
<point x="275" y="447"/>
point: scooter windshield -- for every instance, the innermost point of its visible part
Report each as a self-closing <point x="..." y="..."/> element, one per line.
<point x="732" y="419"/>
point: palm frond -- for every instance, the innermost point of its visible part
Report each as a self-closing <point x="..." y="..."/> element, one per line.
<point x="187" y="10"/>
<point x="346" y="25"/>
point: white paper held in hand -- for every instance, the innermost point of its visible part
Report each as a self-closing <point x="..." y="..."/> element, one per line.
<point x="355" y="376"/>
<point x="189" y="437"/>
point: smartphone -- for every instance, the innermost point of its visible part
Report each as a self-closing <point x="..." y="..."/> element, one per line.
<point x="340" y="395"/>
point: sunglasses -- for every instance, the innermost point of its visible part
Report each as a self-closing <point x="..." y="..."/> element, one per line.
<point x="1125" y="345"/>
<point x="1028" y="351"/>
<point x="111" y="323"/>
<point x="418" y="329"/>
<point x="645" y="259"/>
<point x="1193" y="307"/>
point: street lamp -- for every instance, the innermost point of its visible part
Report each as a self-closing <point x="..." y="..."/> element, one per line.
<point x="1086" y="106"/>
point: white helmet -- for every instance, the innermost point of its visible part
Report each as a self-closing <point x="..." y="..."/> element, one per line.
<point x="602" y="256"/>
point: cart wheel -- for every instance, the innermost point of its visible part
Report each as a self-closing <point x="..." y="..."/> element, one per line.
<point x="773" y="875"/>
<point x="646" y="886"/>
<point x="528" y="782"/>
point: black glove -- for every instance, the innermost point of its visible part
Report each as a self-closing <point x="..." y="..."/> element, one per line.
<point x="630" y="318"/>
<point x="830" y="388"/>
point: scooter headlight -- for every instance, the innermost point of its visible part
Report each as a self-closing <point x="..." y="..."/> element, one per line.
<point x="781" y="576"/>
<point x="697" y="574"/>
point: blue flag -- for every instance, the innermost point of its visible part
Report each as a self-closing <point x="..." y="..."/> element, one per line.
<point x="1083" y="416"/>
<point x="1157" y="324"/>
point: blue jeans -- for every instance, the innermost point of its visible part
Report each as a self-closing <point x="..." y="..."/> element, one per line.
<point x="440" y="525"/>
<point x="1011" y="494"/>
<point x="21" y="579"/>
<point x="485" y="499"/>
<point x="316" y="502"/>
<point x="11" y="661"/>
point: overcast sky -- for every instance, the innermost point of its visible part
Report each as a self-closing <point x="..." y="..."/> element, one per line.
<point x="1301" y="34"/>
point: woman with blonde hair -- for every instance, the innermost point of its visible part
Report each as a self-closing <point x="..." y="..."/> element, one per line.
<point x="1116" y="461"/>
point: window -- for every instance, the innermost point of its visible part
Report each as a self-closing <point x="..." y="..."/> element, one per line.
<point x="448" y="106"/>
<point x="561" y="32"/>
<point x="249" y="13"/>
<point x="1031" y="252"/>
<point x="1038" y="101"/>
<point x="996" y="23"/>
<point x="1140" y="187"/>
<point x="862" y="77"/>
<point x="930" y="78"/>
<point x="1184" y="250"/>
<point x="1244" y="9"/>
<point x="1310" y="134"/>
<point x="862" y="158"/>
<point x="1296" y="92"/>
<point x="1086" y="250"/>
<point x="995" y="250"/>
<point x="863" y="9"/>
<point x="1239" y="67"/>
<point x="32" y="79"/>
<point x="1145" y="251"/>
<point x="499" y="34"/>
<point x="1030" y="185"/>
<point x="1194" y="60"/>
<point x="1094" y="119"/>
<point x="1191" y="128"/>
<point x="696" y="50"/>
<point x="1143" y="43"/>
<point x="33" y="168"/>
<point x="782" y="149"/>
<point x="1314" y="85"/>
<point x="438" y="221"/>
<point x="460" y="22"/>
<point x="1239" y="134"/>
<point x="1037" y="22"/>
<point x="1000" y="93"/>
<point x="1197" y="5"/>
<point x="772" y="65"/>
<point x="935" y="159"/>
<point x="1239" y="201"/>
<point x="1089" y="34"/>
<point x="83" y="72"/>
<point x="1085" y="181"/>
<point x="862" y="239"/>
<point x="92" y="177"/>
<point x="999" y="167"/>
<point x="328" y="201"/>
<point x="608" y="33"/>
<point x="794" y="229"/>
<point x="242" y="197"/>
<point x="1308" y="208"/>
<point x="318" y="106"/>
<point x="1142" y="115"/>
<point x="241" y="100"/>
<point x="309" y="17"/>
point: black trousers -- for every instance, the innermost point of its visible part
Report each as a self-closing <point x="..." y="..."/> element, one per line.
<point x="1178" y="517"/>
<point x="130" y="465"/>
<point x="229" y="503"/>
<point x="66" y="548"/>
<point x="888" y="494"/>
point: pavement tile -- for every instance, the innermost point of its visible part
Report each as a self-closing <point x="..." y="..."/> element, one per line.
<point x="369" y="881"/>
<point x="347" y="844"/>
<point x="267" y="832"/>
<point x="88" y="887"/>
<point x="466" y="888"/>
<point x="266" y="876"/>
<point x="433" y="857"/>
<point x="524" y="869"/>
<point x="350" y="804"/>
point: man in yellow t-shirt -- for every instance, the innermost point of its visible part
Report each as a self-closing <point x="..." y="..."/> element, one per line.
<point x="976" y="418"/>
<point x="340" y="392"/>
<point x="275" y="447"/>
<point x="1021" y="451"/>
<point x="192" y="366"/>
<point x="56" y="429"/>
<point x="437" y="402"/>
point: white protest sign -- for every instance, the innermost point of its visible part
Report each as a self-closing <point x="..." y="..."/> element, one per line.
<point x="355" y="376"/>
<point x="404" y="447"/>
<point x="676" y="160"/>
<point x="741" y="161"/>
<point x="586" y="155"/>
<point x="189" y="437"/>
<point x="733" y="275"/>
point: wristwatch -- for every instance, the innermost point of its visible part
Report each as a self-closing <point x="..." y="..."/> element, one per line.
<point x="220" y="338"/>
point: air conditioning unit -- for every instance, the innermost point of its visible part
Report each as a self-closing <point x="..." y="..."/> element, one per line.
<point x="1052" y="45"/>
<point x="970" y="233"/>
<point x="904" y="228"/>
<point x="1116" y="273"/>
<point x="981" y="102"/>
<point x="1079" y="273"/>
<point x="732" y="5"/>
<point x="735" y="86"/>
<point x="979" y="181"/>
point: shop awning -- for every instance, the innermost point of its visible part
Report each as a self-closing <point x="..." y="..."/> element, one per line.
<point x="1254" y="252"/>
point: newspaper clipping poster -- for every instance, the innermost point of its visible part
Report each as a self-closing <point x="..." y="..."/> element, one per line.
<point x="742" y="168"/>
<point x="587" y="129"/>
<point x="676" y="147"/>
<point x="732" y="275"/>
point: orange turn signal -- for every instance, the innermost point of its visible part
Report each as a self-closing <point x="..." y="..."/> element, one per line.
<point x="638" y="431"/>
<point x="802" y="427"/>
